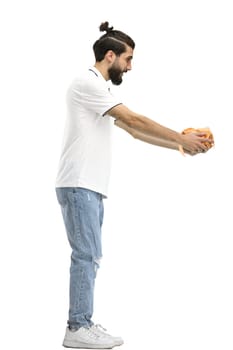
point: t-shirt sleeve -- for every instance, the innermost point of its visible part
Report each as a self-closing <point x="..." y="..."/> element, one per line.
<point x="95" y="96"/>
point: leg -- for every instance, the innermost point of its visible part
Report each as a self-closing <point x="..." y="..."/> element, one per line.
<point x="82" y="211"/>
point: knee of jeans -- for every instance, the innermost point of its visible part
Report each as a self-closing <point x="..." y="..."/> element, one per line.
<point x="97" y="263"/>
<point x="84" y="258"/>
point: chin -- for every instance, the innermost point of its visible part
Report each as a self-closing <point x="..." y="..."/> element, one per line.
<point x="117" y="82"/>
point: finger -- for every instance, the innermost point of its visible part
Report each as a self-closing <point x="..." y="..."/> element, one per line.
<point x="181" y="150"/>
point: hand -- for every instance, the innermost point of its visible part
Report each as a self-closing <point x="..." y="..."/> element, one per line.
<point x="193" y="143"/>
<point x="184" y="151"/>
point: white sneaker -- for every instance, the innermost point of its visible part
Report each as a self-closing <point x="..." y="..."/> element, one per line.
<point x="85" y="338"/>
<point x="99" y="330"/>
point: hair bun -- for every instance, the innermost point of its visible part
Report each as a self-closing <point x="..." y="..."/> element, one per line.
<point x="104" y="27"/>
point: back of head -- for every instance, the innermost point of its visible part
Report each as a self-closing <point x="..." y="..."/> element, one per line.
<point x="114" y="40"/>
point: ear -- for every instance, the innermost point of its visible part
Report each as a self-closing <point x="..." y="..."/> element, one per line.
<point x="110" y="56"/>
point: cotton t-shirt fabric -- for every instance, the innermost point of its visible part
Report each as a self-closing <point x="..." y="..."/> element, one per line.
<point x="86" y="151"/>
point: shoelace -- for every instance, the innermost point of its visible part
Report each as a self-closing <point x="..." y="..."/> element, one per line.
<point x="101" y="328"/>
<point x="90" y="333"/>
<point x="101" y="331"/>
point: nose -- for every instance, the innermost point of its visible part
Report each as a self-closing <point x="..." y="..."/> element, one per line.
<point x="129" y="66"/>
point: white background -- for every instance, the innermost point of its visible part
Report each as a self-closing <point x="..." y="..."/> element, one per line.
<point x="166" y="276"/>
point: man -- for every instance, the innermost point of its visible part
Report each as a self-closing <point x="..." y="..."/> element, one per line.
<point x="84" y="168"/>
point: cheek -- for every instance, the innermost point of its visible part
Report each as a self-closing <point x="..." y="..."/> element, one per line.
<point x="125" y="66"/>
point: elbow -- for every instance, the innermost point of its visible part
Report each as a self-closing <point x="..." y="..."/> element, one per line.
<point x="130" y="122"/>
<point x="134" y="134"/>
<point x="134" y="123"/>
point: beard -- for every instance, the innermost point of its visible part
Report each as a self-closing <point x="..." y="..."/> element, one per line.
<point x="115" y="75"/>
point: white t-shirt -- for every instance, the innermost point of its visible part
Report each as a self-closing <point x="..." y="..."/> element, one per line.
<point x="86" y="151"/>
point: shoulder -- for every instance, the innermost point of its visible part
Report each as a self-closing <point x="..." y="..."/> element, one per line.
<point x="89" y="82"/>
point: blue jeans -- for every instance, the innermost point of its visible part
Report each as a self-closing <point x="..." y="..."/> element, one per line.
<point x="82" y="212"/>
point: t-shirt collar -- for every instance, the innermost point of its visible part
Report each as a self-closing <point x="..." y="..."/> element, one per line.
<point x="96" y="72"/>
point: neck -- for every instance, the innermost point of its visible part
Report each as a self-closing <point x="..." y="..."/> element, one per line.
<point x="102" y="69"/>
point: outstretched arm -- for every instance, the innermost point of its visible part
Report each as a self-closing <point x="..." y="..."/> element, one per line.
<point x="146" y="138"/>
<point x="152" y="132"/>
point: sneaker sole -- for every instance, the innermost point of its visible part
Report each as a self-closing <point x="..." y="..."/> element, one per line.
<point x="119" y="343"/>
<point x="80" y="345"/>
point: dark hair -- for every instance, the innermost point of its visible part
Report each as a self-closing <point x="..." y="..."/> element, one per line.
<point x="114" y="40"/>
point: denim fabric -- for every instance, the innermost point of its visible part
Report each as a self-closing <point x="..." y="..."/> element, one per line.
<point x="82" y="212"/>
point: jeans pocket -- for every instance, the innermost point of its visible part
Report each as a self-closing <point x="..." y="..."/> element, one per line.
<point x="61" y="196"/>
